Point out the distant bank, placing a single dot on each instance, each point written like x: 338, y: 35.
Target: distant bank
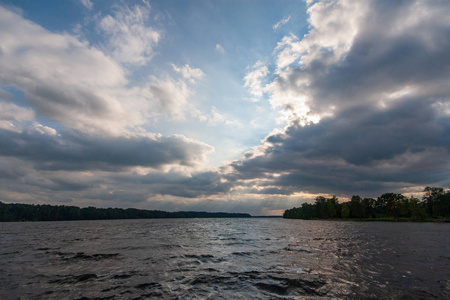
x: 13, y: 212
x: 435, y: 206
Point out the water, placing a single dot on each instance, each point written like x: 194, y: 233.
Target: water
x: 224, y: 259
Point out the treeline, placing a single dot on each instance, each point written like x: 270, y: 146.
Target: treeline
x: 29, y: 212
x: 435, y: 203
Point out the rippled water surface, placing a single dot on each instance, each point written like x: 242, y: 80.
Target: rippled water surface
x: 224, y: 259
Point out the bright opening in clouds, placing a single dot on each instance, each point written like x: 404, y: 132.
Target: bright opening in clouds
x: 237, y: 106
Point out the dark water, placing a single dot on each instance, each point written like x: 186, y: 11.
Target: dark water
x: 224, y: 259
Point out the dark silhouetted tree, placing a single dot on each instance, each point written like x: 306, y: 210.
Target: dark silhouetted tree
x: 321, y: 207
x: 332, y: 207
x: 345, y: 211
x: 356, y: 207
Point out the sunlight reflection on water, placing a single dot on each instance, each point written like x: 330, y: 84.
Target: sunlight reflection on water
x: 223, y: 259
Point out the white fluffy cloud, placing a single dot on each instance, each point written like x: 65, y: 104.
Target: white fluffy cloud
x: 343, y: 60
x: 77, y: 85
x: 63, y: 78
x: 11, y: 115
x: 130, y: 38
x: 87, y: 3
x: 253, y: 79
x: 170, y: 95
x: 220, y: 49
x: 334, y: 25
x: 282, y: 22
x: 191, y: 74
x: 365, y: 96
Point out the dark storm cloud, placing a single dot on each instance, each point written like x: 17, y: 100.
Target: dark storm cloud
x: 70, y: 184
x: 61, y: 103
x: 384, y: 104
x: 98, y: 180
x: 398, y: 44
x: 12, y: 169
x: 77, y: 151
x: 365, y: 134
x: 178, y: 184
x: 357, y: 150
x: 271, y: 191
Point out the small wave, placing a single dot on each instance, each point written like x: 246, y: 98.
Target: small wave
x: 84, y: 256
x: 244, y: 253
x: 50, y: 294
x: 74, y: 279
x: 45, y: 249
x: 276, y: 288
x: 199, y: 256
x: 204, y: 258
x: 154, y: 295
x: 297, y: 249
x: 132, y: 248
x: 170, y: 246
x: 228, y: 239
x: 96, y: 298
x: 113, y: 288
x: 124, y: 275
x: 99, y: 256
x: 212, y: 279
x: 9, y: 253
x: 235, y: 244
x: 149, y: 285
x: 306, y: 284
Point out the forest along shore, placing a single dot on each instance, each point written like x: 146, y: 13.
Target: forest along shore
x: 14, y: 212
x: 434, y: 206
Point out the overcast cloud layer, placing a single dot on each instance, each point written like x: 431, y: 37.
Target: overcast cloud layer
x: 358, y: 102
x: 376, y: 76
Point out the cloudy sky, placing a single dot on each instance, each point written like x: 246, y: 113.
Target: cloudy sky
x: 239, y: 106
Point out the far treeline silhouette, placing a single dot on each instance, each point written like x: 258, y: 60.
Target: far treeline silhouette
x: 435, y: 204
x: 28, y: 212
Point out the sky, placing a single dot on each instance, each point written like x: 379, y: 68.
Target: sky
x: 236, y: 106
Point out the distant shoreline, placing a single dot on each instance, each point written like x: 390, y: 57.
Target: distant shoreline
x: 434, y: 207
x: 401, y: 220
x: 14, y: 212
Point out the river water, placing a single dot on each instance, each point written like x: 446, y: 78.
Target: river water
x: 258, y: 258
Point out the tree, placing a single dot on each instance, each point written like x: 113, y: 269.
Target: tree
x: 369, y: 207
x: 321, y: 207
x: 391, y: 204
x: 332, y: 204
x: 403, y: 207
x: 345, y: 211
x: 431, y: 198
x: 437, y: 202
x: 356, y: 207
x: 307, y: 211
x: 417, y: 209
